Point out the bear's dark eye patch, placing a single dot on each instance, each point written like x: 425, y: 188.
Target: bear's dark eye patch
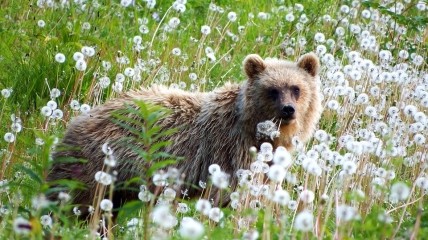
x: 273, y: 93
x: 295, y: 90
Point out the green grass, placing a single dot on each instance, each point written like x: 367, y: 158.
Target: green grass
x: 28, y: 68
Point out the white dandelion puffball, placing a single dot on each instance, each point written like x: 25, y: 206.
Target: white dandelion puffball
x: 84, y: 108
x: 205, y: 30
x: 203, y: 206
x: 304, y: 221
x: 106, y: 205
x: 215, y: 214
x: 60, y: 58
x: 103, y: 178
x: 9, y: 137
x: 190, y: 228
x: 276, y: 173
x: 6, y: 92
x: 81, y: 65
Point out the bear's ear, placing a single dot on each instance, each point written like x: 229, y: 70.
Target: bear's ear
x: 310, y: 63
x: 254, y: 65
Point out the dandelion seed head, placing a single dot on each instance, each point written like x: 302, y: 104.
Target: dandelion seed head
x: 81, y: 65
x: 143, y: 29
x: 88, y: 51
x: 52, y: 104
x: 46, y: 221
x: 220, y: 179
x: 105, y: 148
x: 266, y: 147
x: 86, y: 26
x: 9, y: 137
x: 421, y: 6
x: 106, y: 205
x: 174, y: 22
x: 304, y: 221
x: 110, y: 161
x: 319, y: 37
x: 145, y: 196
x: 41, y: 23
x: 176, y: 51
x: 85, y: 108
x: 232, y: 16
x: 276, y: 173
x: 399, y: 192
x: 307, y: 196
x: 117, y: 87
x: 60, y: 58
x: 76, y: 211
x: 64, y: 197
x: 263, y: 15
x: 251, y: 235
x: 215, y: 214
x: 6, y: 92
x: 160, y: 179
x: 16, y: 127
x: 163, y: 218
x: 333, y: 104
x: 179, y: 7
x: 213, y: 168
x: 103, y: 178
x: 281, y: 197
x: 57, y: 114
x: 205, y: 29
x: 289, y: 17
x: 203, y: 206
x: 422, y: 182
x: 193, y: 76
x: 282, y: 157
x: 264, y: 156
x: 191, y: 228
x: 349, y: 167
x: 182, y: 208
x: 255, y: 204
x: 168, y: 194
x: 129, y: 72
x: 235, y: 204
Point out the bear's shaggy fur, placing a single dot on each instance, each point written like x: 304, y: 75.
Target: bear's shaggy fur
x: 213, y: 127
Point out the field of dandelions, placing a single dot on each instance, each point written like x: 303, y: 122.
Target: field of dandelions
x: 362, y: 176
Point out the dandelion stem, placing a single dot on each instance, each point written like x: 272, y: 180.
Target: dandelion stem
x: 157, y: 28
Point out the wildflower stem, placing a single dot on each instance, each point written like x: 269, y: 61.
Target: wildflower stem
x: 157, y: 28
x: 416, y: 227
x: 7, y: 157
x: 2, y: 110
x: 404, y: 210
x: 404, y: 205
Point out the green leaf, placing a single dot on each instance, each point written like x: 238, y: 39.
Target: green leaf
x: 130, y: 208
x: 68, y: 183
x: 68, y: 159
x: 159, y: 165
x: 157, y: 146
x: 33, y: 175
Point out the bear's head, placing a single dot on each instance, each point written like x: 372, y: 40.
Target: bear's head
x: 285, y: 92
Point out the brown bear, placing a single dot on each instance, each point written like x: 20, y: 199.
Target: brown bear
x: 213, y: 127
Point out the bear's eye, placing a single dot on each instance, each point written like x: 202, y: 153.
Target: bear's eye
x: 295, y: 90
x: 273, y: 93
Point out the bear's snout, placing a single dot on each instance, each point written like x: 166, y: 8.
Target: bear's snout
x: 287, y: 112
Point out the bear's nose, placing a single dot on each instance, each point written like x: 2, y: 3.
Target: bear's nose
x: 288, y: 110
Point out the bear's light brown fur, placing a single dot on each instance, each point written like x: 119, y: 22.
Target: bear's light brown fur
x: 213, y: 127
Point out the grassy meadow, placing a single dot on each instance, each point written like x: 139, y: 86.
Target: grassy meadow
x: 362, y: 176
